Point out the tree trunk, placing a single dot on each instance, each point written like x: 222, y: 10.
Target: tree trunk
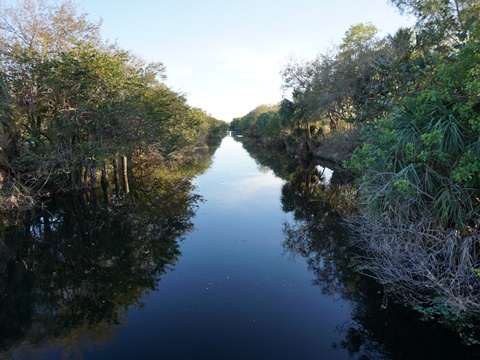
x: 93, y: 177
x: 83, y: 184
x: 3, y: 144
x: 94, y: 187
x: 125, y: 174
x: 308, y: 139
x: 116, y: 177
x: 104, y: 182
x: 307, y: 174
x: 76, y: 177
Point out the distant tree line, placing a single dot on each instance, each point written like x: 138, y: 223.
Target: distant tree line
x: 411, y: 102
x: 73, y: 107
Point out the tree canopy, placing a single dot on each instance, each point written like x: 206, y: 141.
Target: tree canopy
x: 71, y: 104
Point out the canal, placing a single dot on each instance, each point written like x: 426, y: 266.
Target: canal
x: 254, y: 269
x: 235, y: 293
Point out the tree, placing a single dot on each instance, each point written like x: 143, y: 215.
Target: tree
x: 441, y: 24
x: 79, y: 119
x: 249, y: 122
x: 333, y: 88
x: 70, y: 104
x: 30, y: 33
x: 418, y: 188
x: 425, y: 149
x: 45, y: 27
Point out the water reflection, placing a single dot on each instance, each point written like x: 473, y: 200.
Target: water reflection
x: 69, y: 272
x: 378, y: 328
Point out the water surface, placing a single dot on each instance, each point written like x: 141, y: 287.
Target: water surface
x: 234, y: 293
x: 259, y: 270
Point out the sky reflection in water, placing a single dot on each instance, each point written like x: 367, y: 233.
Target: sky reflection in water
x: 234, y: 294
x: 248, y: 282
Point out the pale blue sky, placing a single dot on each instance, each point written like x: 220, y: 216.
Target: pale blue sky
x: 226, y: 56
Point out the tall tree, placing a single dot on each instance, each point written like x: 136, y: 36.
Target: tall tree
x: 441, y: 24
x: 45, y: 27
x: 333, y: 88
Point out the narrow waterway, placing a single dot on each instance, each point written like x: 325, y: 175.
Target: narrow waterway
x: 257, y: 271
x: 234, y: 293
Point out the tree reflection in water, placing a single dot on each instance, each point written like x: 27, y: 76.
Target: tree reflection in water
x: 377, y: 329
x: 69, y: 273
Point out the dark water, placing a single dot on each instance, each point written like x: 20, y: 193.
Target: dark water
x: 260, y: 270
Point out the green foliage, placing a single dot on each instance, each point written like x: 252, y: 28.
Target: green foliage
x: 442, y: 25
x: 418, y: 171
x: 440, y: 310
x: 328, y: 91
x: 432, y: 132
x: 45, y: 27
x: 262, y: 121
x: 422, y: 153
x: 467, y: 170
x: 70, y: 103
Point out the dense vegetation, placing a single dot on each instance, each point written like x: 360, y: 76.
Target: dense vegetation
x: 408, y: 108
x: 73, y: 106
